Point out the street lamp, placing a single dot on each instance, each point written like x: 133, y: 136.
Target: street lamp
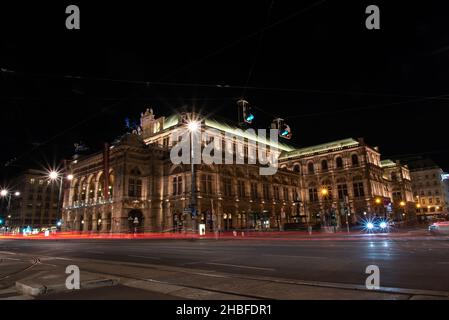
x: 54, y: 175
x: 6, y: 193
x: 402, y: 204
x: 193, y: 126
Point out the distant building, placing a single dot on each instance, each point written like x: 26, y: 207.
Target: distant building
x: 430, y: 188
x: 37, y: 205
x: 398, y: 181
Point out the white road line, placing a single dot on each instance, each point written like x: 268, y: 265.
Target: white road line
x: 10, y: 259
x: 294, y: 256
x: 7, y: 252
x: 239, y: 266
x: 144, y: 257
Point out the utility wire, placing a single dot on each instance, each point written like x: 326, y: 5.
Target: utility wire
x: 259, y: 46
x: 244, y: 38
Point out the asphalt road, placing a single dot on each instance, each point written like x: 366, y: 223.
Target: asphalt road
x: 418, y: 263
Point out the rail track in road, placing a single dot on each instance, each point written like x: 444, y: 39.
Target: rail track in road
x: 34, y: 262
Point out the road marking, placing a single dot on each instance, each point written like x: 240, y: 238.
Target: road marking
x: 144, y: 257
x: 239, y: 266
x: 7, y: 252
x: 294, y: 256
x: 10, y: 259
x: 58, y: 258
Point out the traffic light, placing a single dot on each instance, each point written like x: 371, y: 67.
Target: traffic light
x: 283, y: 128
x: 245, y: 111
x: 285, y: 131
x: 248, y: 117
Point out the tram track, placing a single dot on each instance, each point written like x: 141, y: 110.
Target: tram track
x: 34, y: 262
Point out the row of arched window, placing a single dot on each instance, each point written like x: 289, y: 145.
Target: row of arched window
x: 324, y: 165
x: 88, y: 189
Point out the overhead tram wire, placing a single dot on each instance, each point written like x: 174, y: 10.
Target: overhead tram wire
x: 259, y: 47
x: 232, y: 87
x: 244, y: 38
x: 61, y: 133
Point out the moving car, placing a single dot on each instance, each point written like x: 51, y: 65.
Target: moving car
x: 377, y: 225
x: 440, y: 227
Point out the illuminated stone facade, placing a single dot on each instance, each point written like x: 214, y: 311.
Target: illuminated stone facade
x: 144, y: 191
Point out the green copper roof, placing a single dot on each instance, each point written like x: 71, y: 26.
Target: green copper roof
x: 321, y: 148
x: 387, y: 163
x: 242, y: 133
x: 171, y: 121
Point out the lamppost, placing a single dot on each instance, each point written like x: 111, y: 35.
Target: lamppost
x: 193, y: 126
x: 402, y: 204
x: 5, y: 193
x: 54, y: 175
x: 325, y: 193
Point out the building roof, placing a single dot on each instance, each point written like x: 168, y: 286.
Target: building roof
x: 321, y: 148
x: 387, y: 163
x: 228, y: 128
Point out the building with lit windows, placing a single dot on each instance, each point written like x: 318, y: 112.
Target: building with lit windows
x: 36, y: 203
x: 133, y: 185
x: 430, y: 189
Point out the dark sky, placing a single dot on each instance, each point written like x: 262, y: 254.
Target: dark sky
x: 312, y: 63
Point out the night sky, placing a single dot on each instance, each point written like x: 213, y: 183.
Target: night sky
x: 312, y: 63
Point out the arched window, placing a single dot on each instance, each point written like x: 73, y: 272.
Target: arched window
x: 313, y: 193
x: 100, y: 190
x: 91, y: 191
x: 76, y: 192
x: 135, y: 184
x: 83, y: 190
x: 310, y: 168
x: 394, y: 176
x: 111, y: 184
x: 339, y: 162
x: 297, y: 168
x: 359, y: 190
x: 324, y: 166
x: 355, y: 160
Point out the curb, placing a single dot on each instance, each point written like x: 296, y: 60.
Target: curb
x: 34, y: 289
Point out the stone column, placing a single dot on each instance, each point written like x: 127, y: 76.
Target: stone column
x: 104, y: 222
x: 94, y: 222
x: 86, y: 222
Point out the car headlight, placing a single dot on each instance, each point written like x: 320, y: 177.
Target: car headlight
x: 383, y: 224
x: 370, y: 225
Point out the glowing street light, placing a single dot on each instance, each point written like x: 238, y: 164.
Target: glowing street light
x: 402, y: 204
x: 324, y: 191
x: 70, y: 177
x: 53, y: 175
x: 193, y: 126
x: 378, y: 200
x: 17, y: 194
x: 4, y: 193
